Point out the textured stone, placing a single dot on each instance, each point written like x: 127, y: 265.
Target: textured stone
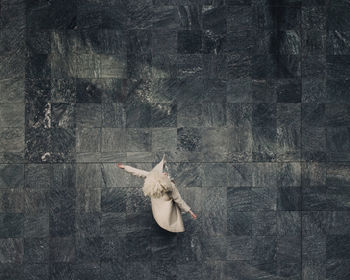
x: 247, y: 99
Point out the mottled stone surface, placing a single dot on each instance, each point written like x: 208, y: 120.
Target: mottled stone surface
x: 248, y: 99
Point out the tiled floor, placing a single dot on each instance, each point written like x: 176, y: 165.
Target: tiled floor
x: 248, y: 99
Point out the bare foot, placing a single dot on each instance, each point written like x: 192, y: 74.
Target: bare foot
x: 120, y: 165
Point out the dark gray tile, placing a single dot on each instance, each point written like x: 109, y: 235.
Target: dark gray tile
x: 315, y: 198
x: 264, y: 250
x: 192, y: 269
x: 264, y: 143
x: 337, y: 269
x: 38, y: 66
x: 270, y: 66
x: 240, y: 174
x: 11, y: 270
x: 12, y: 90
x: 239, y: 66
x: 89, y: 139
x: 163, y: 115
x: 87, y: 224
x: 271, y: 14
x: 264, y: 198
x: 189, y: 249
x: 313, y: 42
x: 335, y: 90
x: 213, y: 204
x: 63, y: 144
x: 264, y: 115
x: 337, y: 66
x: 12, y: 250
x: 241, y: 41
x: 141, y: 244
x: 239, y: 198
x: 36, y: 225
x: 117, y: 220
x: 61, y: 270
x: 313, y: 16
x: 11, y: 200
x: 239, y: 18
x: 264, y: 223
x: 289, y: 223
x: 164, y: 139
x: 110, y: 246
x: 113, y: 115
x: 239, y: 91
x: 12, y: 140
x: 333, y: 250
x: 215, y: 248
x: 139, y: 140
x: 88, y: 200
x: 62, y: 249
x: 189, y: 41
x: 61, y: 222
x: 113, y: 140
x: 214, y: 174
x: 289, y: 198
x: 312, y: 62
x: 289, y: 174
x: 239, y: 114
x: 189, y: 115
x: 36, y: 201
x: 193, y: 65
x: 11, y: 225
x: 36, y: 271
x: 278, y: 42
x: 316, y: 223
x: 11, y: 175
x: 88, y: 249
x: 139, y: 269
x: 215, y: 143
x: 63, y: 90
x: 113, y: 200
x: 239, y: 222
x: 239, y: 247
x: 189, y: 139
x: 88, y: 91
x: 87, y: 271
x: 113, y: 269
x: 12, y: 115
x: 163, y: 247
x: 214, y: 114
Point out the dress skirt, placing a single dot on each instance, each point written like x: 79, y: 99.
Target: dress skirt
x: 167, y: 214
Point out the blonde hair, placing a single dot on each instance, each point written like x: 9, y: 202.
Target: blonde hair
x: 156, y: 184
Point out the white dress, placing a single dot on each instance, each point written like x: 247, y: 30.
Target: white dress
x: 166, y: 210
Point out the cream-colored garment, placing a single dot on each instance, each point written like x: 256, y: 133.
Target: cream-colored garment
x: 166, y: 209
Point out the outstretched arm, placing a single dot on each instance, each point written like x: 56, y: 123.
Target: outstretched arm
x: 133, y: 170
x: 178, y: 199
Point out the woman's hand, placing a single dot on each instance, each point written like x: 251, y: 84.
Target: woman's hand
x: 194, y: 216
x: 120, y: 165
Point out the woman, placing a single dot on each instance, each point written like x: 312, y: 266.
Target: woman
x: 166, y: 200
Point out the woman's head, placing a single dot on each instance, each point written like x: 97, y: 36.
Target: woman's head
x: 156, y: 183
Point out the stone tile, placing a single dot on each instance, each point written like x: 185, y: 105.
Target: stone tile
x: 11, y: 225
x: 11, y: 175
x: 139, y: 140
x: 12, y: 250
x: 12, y: 115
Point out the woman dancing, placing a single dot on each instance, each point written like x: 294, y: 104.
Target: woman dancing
x: 166, y: 200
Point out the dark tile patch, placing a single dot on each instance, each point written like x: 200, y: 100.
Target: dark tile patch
x: 189, y: 41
